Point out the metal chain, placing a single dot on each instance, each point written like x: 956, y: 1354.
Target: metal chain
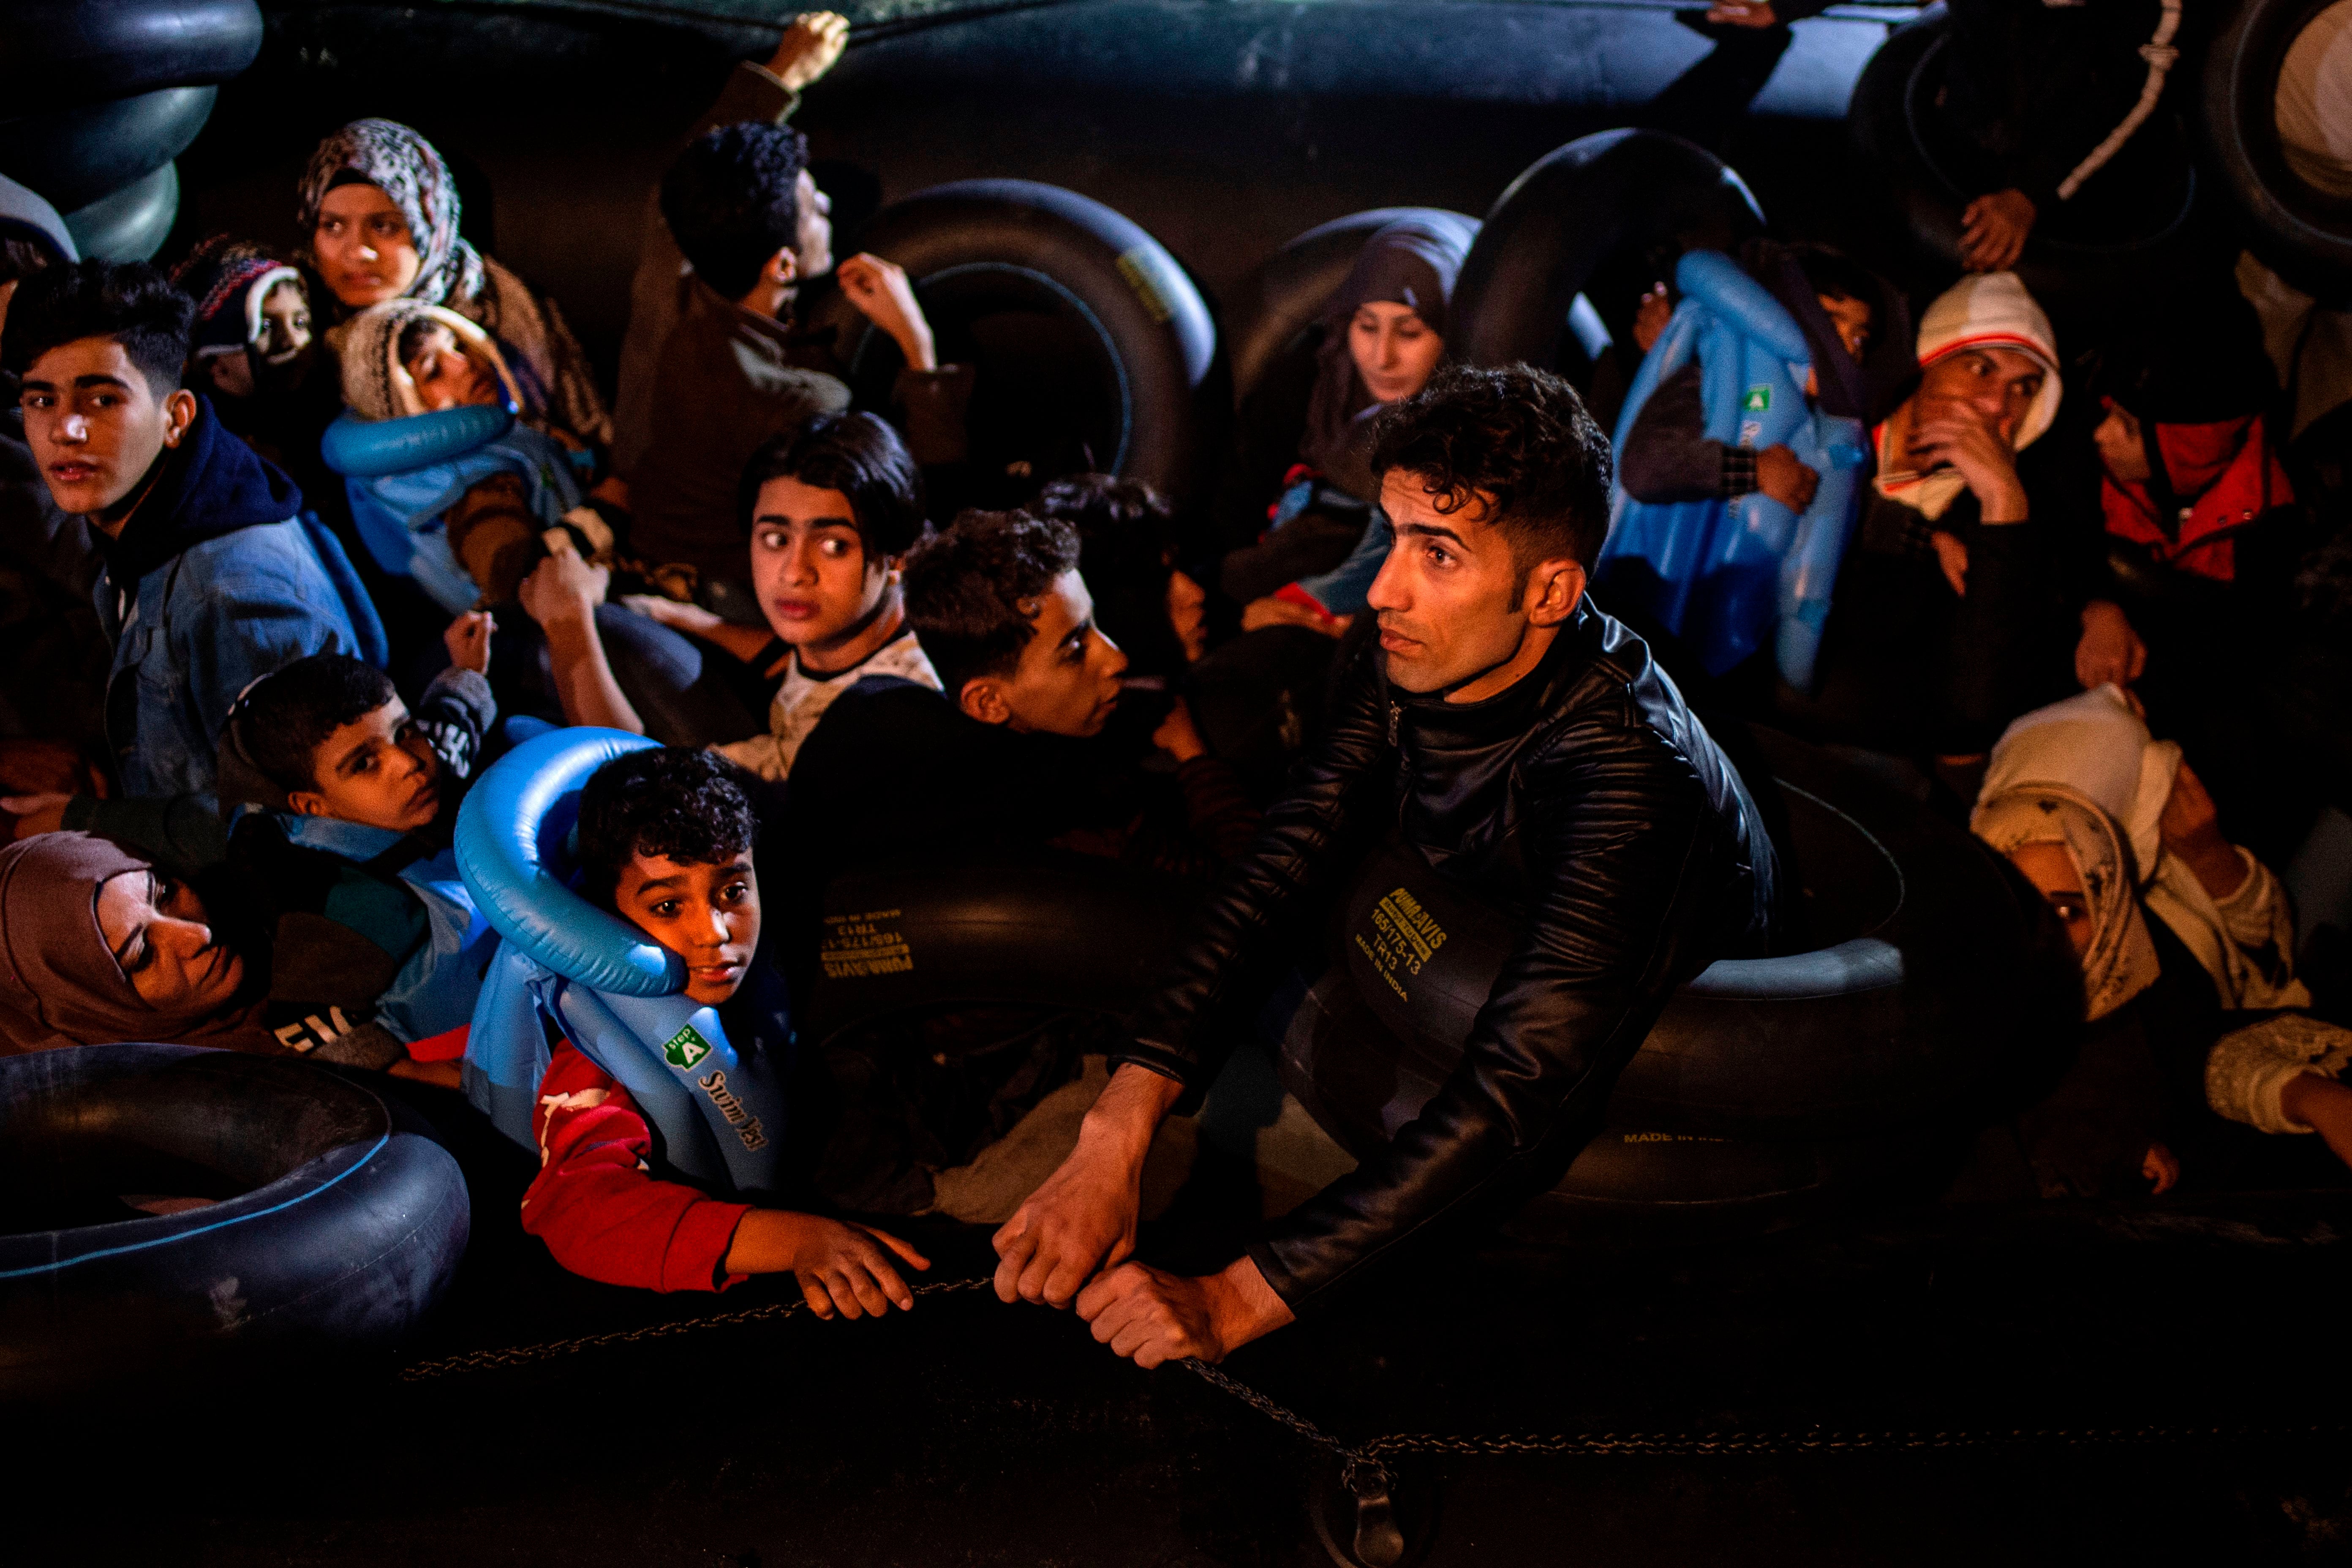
x: 1360, y: 1471
x: 522, y: 1355
x: 1362, y: 1466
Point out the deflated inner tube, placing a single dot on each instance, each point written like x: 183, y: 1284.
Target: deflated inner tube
x: 183, y: 1216
x: 1268, y: 314
x: 2303, y: 232
x: 2087, y: 245
x: 1926, y: 983
x: 54, y: 53
x: 1068, y: 931
x: 1604, y: 216
x: 1091, y: 347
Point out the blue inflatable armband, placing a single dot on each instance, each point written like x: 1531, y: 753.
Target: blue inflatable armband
x: 370, y: 448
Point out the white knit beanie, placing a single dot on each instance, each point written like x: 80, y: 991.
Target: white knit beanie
x: 1992, y: 310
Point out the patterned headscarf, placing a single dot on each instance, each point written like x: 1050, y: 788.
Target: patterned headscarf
x: 2122, y: 961
x: 229, y: 278
x: 405, y: 167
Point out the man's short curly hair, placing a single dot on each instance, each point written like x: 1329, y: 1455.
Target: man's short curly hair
x: 128, y: 301
x: 732, y: 200
x: 676, y: 802
x: 965, y: 588
x: 1520, y: 438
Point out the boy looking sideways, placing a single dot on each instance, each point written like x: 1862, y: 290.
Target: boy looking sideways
x: 831, y: 509
x: 665, y: 836
x: 340, y: 804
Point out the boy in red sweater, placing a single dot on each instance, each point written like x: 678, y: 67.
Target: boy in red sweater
x: 664, y: 838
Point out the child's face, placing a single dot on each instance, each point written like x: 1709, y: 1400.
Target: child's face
x: 1852, y: 319
x: 707, y: 914
x: 2121, y: 445
x: 447, y: 376
x: 376, y: 770
x: 1067, y: 679
x: 810, y: 566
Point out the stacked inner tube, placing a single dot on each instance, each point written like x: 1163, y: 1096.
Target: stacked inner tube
x: 2299, y: 225
x: 179, y: 1218
x: 103, y: 95
x: 1925, y: 988
x: 1091, y: 346
x: 1892, y: 121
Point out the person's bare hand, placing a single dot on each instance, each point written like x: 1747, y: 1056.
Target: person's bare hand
x: 669, y: 612
x: 2190, y: 827
x: 1270, y: 611
x: 1780, y: 474
x: 1993, y: 229
x: 2313, y: 1099
x: 848, y: 1268
x: 1948, y: 434
x: 1082, y: 1218
x: 2162, y: 1167
x: 2109, y: 652
x: 1650, y: 316
x: 1952, y: 555
x: 563, y: 589
x: 809, y: 48
x: 884, y: 296
x: 1743, y: 13
x: 468, y: 638
x: 35, y: 814
x: 1152, y: 1315
x: 1178, y: 735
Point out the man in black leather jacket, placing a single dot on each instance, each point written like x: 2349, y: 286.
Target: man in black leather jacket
x: 1525, y: 744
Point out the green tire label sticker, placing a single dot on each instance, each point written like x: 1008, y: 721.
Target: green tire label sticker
x: 685, y: 1048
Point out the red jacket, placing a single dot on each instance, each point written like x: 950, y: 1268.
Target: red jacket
x: 599, y: 1207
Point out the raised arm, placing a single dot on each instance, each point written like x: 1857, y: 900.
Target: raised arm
x: 562, y: 595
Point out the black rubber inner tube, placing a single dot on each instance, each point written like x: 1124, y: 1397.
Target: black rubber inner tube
x: 1091, y: 347
x: 57, y: 53
x: 1267, y: 316
x: 2083, y: 243
x: 1067, y: 931
x: 187, y: 1214
x: 74, y: 156
x: 2304, y: 234
x: 130, y: 224
x: 1604, y: 216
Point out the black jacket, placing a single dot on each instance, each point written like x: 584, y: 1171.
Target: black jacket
x: 1587, y: 799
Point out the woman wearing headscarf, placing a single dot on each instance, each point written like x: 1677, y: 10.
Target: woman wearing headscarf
x: 382, y: 212
x: 99, y: 945
x: 2180, y: 934
x: 1384, y: 337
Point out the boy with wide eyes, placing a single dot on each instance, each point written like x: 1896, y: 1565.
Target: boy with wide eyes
x: 665, y: 836
x: 831, y: 509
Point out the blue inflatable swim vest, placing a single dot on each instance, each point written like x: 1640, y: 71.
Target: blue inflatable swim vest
x: 1728, y: 576
x: 593, y: 975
